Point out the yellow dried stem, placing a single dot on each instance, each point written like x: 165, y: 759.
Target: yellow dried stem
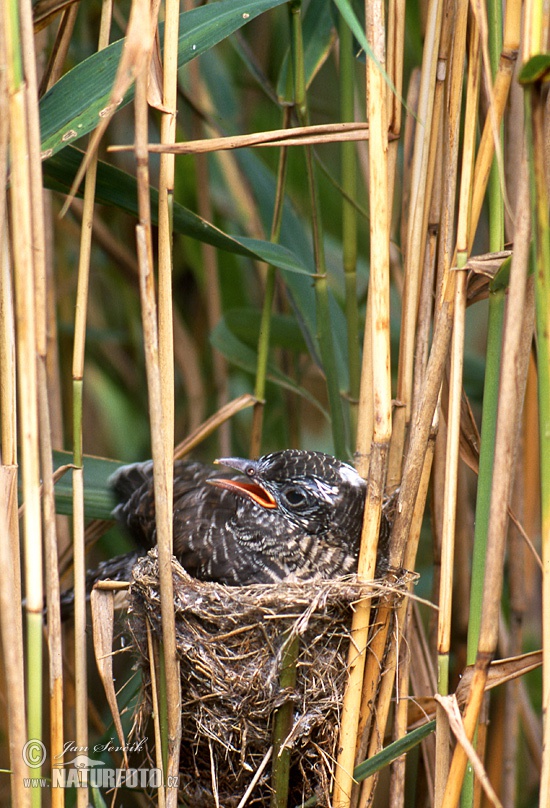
x: 371, y: 681
x: 22, y: 247
x: 397, y: 783
x: 425, y: 134
x: 55, y: 649
x: 389, y: 618
x: 153, y: 665
x: 162, y: 454
x: 80, y: 634
x: 457, y: 357
x: 79, y: 555
x: 213, y: 423
x: 26, y: 347
x: 54, y: 68
x: 11, y: 631
x: 379, y: 346
x: 8, y: 408
x: 165, y: 236
x: 517, y: 341
x: 365, y: 412
x: 499, y: 98
x: 296, y: 136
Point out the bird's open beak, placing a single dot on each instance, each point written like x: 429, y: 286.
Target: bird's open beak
x: 250, y: 490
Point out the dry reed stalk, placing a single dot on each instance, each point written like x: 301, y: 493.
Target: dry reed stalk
x: 60, y: 49
x: 541, y: 197
x: 309, y: 135
x: 21, y: 145
x: 213, y: 423
x: 508, y: 774
x: 447, y: 283
x: 425, y: 134
x: 422, y: 212
x: 165, y: 421
x: 390, y: 619
x: 79, y: 554
x: 424, y: 685
x: 11, y: 625
x: 394, y: 64
x: 452, y: 454
x: 379, y: 347
x: 400, y: 723
x: 165, y: 232
x: 365, y: 411
x: 162, y: 461
x: 11, y: 630
x: 500, y: 91
x: 8, y: 393
x: 152, y: 647
x: 517, y: 341
x: 54, y: 632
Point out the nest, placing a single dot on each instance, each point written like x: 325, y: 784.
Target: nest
x: 231, y: 641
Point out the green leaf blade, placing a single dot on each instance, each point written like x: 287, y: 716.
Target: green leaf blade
x: 72, y: 107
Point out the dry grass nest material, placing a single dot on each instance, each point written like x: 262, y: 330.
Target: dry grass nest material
x: 230, y: 642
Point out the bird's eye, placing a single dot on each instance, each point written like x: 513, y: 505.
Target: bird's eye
x: 295, y: 497
x: 250, y: 471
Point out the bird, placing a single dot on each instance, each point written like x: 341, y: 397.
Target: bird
x: 289, y: 515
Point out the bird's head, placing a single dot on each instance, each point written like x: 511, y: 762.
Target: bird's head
x: 311, y: 489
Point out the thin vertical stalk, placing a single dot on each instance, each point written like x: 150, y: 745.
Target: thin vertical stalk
x: 165, y: 240
x: 162, y: 464
x: 540, y: 207
x: 517, y: 341
x: 501, y: 87
x: 23, y: 258
x: 80, y: 635
x: 379, y: 344
x: 283, y: 724
x: 495, y: 198
x: 12, y: 645
x: 396, y: 39
x: 162, y: 399
x: 447, y: 243
x: 425, y: 134
x: 43, y: 299
x: 387, y: 618
x: 269, y: 293
x: 153, y: 656
x: 324, y: 331
x: 490, y: 392
x: 349, y: 221
x: 11, y: 625
x: 452, y: 456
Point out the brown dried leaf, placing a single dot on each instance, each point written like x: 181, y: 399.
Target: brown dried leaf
x: 500, y: 671
x: 102, y: 602
x: 482, y: 270
x: 470, y: 440
x: 155, y: 93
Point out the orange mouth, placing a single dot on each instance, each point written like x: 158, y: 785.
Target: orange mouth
x: 249, y: 490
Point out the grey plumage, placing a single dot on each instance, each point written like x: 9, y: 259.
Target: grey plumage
x: 290, y: 514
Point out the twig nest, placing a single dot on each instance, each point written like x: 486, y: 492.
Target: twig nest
x: 230, y: 643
